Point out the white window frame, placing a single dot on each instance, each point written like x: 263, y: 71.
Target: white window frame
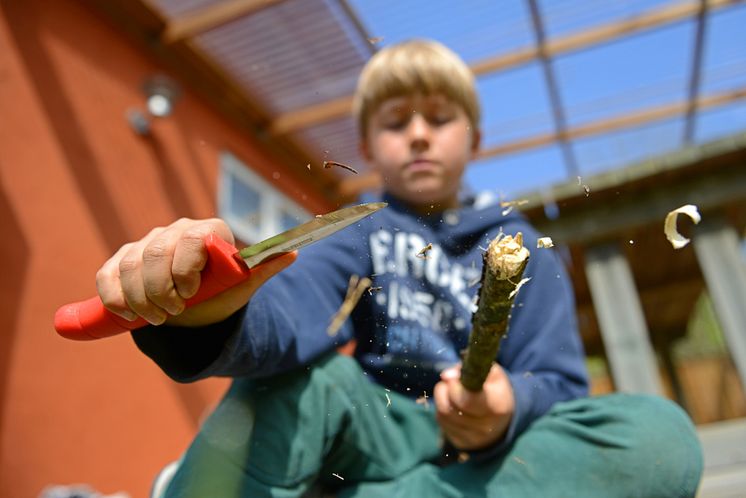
x: 272, y: 202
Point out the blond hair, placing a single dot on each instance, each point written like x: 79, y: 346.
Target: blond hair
x: 415, y: 66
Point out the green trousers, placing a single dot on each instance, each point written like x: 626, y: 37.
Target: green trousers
x: 327, y: 429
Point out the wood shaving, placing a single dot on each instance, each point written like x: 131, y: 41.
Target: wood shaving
x: 422, y: 400
x: 669, y: 226
x: 388, y: 400
x: 375, y: 39
x: 519, y: 202
x: 423, y: 252
x: 544, y: 243
x: 371, y: 290
x: 329, y: 164
x: 518, y: 287
x: 587, y: 190
x: 338, y: 476
x: 355, y: 289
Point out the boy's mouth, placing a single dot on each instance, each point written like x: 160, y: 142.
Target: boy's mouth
x: 421, y: 165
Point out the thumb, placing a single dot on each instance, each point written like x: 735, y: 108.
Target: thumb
x: 451, y: 373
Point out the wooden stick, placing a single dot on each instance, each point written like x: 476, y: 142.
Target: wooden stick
x: 504, y: 262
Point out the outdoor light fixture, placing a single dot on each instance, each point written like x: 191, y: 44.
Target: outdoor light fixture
x: 160, y: 92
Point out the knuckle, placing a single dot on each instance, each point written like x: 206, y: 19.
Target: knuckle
x: 104, y: 275
x: 128, y: 264
x: 156, y: 292
x: 157, y: 250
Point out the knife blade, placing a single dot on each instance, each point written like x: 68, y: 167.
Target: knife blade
x: 226, y: 267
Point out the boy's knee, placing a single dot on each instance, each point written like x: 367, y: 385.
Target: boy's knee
x: 658, y: 420
x: 662, y: 442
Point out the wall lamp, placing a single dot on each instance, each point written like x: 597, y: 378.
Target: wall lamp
x: 161, y: 92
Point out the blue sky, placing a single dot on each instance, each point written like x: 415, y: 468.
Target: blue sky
x: 648, y: 69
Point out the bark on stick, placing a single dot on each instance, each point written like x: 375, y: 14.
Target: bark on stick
x: 502, y: 272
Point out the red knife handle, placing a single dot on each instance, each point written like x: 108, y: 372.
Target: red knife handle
x: 88, y: 320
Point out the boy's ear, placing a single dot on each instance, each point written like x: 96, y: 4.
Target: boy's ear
x: 476, y: 141
x: 364, y: 149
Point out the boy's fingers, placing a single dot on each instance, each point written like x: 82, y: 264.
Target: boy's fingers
x: 451, y: 373
x: 190, y: 256
x: 442, y: 403
x: 109, y: 287
x: 157, y: 261
x: 131, y: 279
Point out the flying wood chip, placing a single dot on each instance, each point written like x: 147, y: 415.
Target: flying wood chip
x: 329, y: 164
x: 355, y: 289
x: 669, y: 226
x: 544, y: 243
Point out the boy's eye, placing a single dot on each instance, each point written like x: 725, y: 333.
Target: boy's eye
x: 440, y: 118
x: 394, y: 122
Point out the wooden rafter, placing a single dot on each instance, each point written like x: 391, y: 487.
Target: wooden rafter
x: 211, y: 17
x: 655, y: 18
x: 558, y: 113
x: 696, y: 74
x: 311, y: 115
x: 354, y: 186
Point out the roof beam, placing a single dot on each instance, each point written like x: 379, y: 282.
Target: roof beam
x: 311, y: 115
x: 353, y: 186
x: 558, y: 113
x: 211, y: 17
x: 696, y: 75
x: 654, y: 18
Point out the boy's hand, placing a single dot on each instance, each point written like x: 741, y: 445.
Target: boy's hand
x: 153, y: 276
x: 472, y: 421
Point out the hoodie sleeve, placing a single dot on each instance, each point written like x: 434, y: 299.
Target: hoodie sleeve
x: 542, y: 352
x: 284, y: 325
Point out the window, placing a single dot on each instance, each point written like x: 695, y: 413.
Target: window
x: 253, y: 208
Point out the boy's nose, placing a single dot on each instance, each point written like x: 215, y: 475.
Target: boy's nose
x: 419, y: 132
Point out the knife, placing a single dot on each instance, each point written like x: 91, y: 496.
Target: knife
x: 226, y: 267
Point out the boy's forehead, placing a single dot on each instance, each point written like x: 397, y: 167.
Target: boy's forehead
x: 414, y: 101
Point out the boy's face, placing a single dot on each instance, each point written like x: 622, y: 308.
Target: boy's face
x: 420, y: 144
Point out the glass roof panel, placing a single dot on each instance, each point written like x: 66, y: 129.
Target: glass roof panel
x: 334, y: 140
x: 724, y: 63
x: 513, y: 175
x: 475, y: 30
x: 298, y: 53
x: 178, y: 8
x: 631, y: 74
x: 515, y: 104
x: 621, y: 148
x: 719, y: 122
x: 291, y: 55
x: 562, y: 17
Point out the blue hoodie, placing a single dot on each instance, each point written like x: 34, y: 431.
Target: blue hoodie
x: 411, y: 328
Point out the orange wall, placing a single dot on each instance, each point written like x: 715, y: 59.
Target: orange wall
x: 76, y: 183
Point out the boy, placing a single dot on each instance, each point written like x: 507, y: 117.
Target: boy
x: 301, y: 418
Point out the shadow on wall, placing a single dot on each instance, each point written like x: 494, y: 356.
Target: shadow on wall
x: 70, y: 134
x: 14, y: 253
